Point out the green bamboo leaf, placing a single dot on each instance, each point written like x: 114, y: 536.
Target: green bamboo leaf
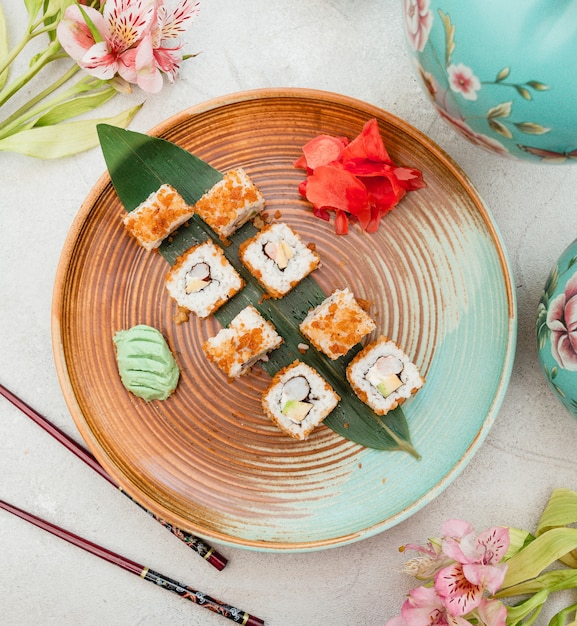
x: 75, y: 107
x: 138, y: 164
x: 449, y: 36
x: 3, y: 46
x: 539, y: 554
x: 532, y: 128
x: 53, y: 142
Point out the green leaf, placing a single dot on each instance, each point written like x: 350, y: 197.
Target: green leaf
x: 53, y: 142
x: 3, y: 47
x: 33, y: 6
x: 449, y: 36
x: 539, y: 554
x: 538, y: 86
x: 532, y: 128
x: 501, y: 110
x: 524, y: 93
x: 138, y: 164
x: 503, y: 74
x: 75, y: 107
x: 500, y: 128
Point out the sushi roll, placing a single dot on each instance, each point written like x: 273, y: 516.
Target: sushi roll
x: 278, y: 258
x: 337, y: 324
x: 159, y: 215
x: 383, y: 376
x: 246, y: 340
x: 230, y: 203
x: 201, y: 280
x: 298, y: 400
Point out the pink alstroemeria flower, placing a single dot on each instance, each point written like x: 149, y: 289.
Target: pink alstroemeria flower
x: 477, y: 565
x: 429, y: 560
x: 136, y: 39
x: 424, y: 607
x: 562, y: 320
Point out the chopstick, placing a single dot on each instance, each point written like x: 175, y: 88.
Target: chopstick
x: 207, y: 552
x: 198, y: 597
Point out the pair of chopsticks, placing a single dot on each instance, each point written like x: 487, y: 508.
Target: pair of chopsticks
x: 204, y: 550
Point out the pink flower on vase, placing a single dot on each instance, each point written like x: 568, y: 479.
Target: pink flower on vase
x: 418, y: 22
x: 463, y: 81
x: 478, y: 139
x: 136, y: 39
x: 562, y: 320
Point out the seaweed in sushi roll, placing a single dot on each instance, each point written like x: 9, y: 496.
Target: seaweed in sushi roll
x: 383, y: 376
x: 298, y: 400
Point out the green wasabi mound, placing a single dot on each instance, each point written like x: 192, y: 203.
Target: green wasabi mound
x: 145, y: 363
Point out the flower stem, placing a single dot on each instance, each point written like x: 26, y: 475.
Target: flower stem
x: 29, y: 110
x: 48, y: 55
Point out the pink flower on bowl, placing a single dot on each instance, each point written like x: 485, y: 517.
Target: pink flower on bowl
x: 462, y: 80
x: 562, y: 321
x: 418, y: 22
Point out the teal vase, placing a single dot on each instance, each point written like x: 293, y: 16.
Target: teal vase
x: 501, y: 73
x: 557, y: 329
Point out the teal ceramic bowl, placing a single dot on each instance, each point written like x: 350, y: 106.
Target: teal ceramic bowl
x: 557, y: 329
x: 501, y: 73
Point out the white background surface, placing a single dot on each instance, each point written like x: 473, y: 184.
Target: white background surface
x: 353, y: 48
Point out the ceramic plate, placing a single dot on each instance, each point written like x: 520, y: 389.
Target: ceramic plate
x: 206, y: 459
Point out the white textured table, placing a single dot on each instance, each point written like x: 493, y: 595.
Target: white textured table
x: 353, y: 48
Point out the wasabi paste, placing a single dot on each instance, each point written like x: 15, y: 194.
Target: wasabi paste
x: 145, y: 363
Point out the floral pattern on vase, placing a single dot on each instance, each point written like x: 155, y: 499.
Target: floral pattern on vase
x: 497, y: 98
x: 556, y: 329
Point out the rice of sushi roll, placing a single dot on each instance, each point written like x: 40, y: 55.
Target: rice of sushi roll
x: 298, y: 400
x: 230, y: 203
x: 247, y: 339
x: 278, y: 258
x: 383, y: 376
x: 337, y: 324
x: 201, y: 280
x: 157, y: 217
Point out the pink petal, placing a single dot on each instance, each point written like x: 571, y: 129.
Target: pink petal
x: 571, y: 287
x: 99, y: 62
x: 174, y: 23
x: 459, y: 595
x: 488, y: 577
x: 456, y: 528
x: 149, y: 77
x: 73, y: 32
x: 563, y: 351
x: 493, y: 544
x: 570, y: 313
x: 493, y: 612
x: 555, y: 313
x: 128, y: 21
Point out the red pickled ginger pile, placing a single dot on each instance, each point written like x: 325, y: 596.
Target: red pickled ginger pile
x: 356, y: 179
